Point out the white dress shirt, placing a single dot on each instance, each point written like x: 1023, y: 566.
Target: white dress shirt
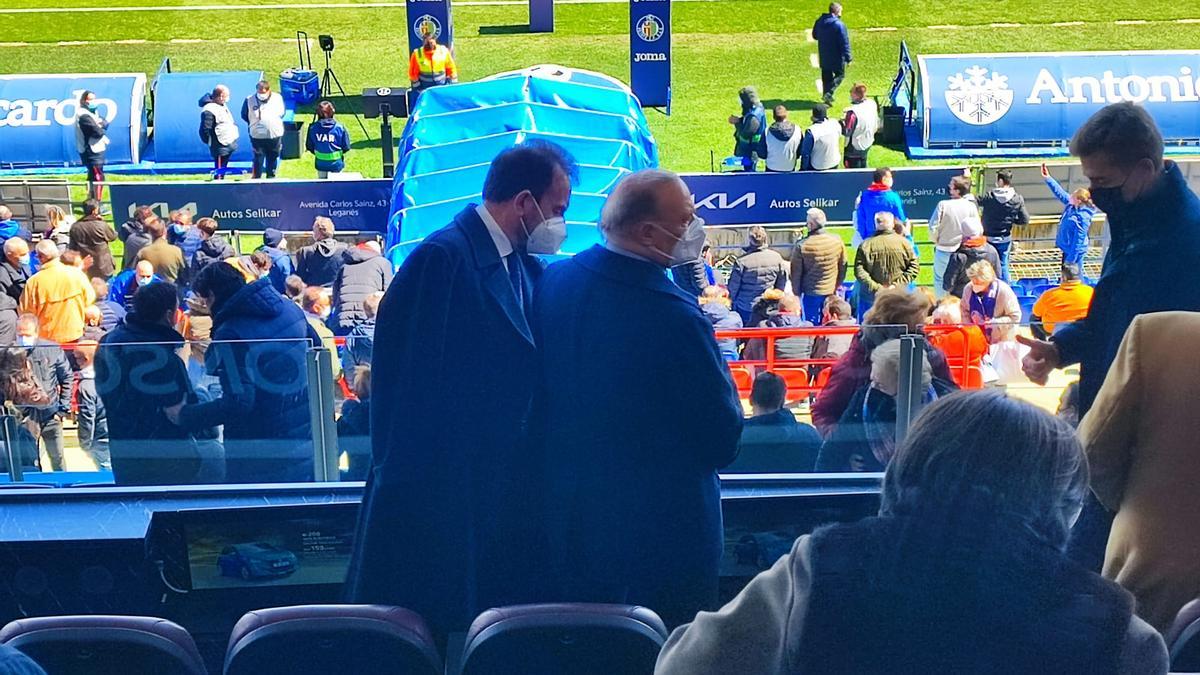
x: 503, y: 246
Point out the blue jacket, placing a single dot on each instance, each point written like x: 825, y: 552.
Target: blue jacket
x: 1074, y: 225
x: 11, y: 228
x: 450, y: 317
x: 188, y: 240
x: 750, y: 139
x: 872, y: 201
x: 723, y: 318
x: 327, y: 140
x: 259, y: 342
x: 1156, y: 237
x: 112, y: 313
x: 638, y: 412
x: 123, y: 286
x: 281, y: 267
x: 360, y: 343
x: 776, y: 443
x: 833, y: 41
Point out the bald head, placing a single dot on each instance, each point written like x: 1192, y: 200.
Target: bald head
x: 647, y: 214
x: 46, y: 250
x: 144, y: 270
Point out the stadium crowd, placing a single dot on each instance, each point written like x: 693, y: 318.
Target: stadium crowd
x: 602, y: 408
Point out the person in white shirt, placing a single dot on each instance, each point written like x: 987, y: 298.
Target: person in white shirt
x: 946, y: 226
x: 819, y: 150
x: 859, y: 126
x: 264, y: 111
x: 783, y: 142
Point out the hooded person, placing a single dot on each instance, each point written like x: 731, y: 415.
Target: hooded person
x: 318, y: 263
x: 1001, y: 209
x: 749, y: 130
x: 783, y: 143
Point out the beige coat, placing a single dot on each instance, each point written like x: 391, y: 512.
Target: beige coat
x: 759, y: 630
x: 1142, y: 438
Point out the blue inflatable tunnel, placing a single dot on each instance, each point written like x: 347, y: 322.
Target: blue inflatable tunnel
x: 177, y: 114
x: 455, y: 131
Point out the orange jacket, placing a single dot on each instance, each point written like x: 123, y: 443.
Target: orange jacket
x: 1068, y: 302
x: 433, y: 64
x: 57, y: 295
x: 956, y: 346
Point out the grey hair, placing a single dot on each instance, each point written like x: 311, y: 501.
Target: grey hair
x: 14, y: 244
x: 324, y: 226
x: 815, y: 218
x: 634, y: 199
x: 981, y: 271
x: 220, y: 88
x: 885, y: 366
x: 46, y: 250
x: 884, y: 220
x: 1033, y: 469
x: 5, y: 212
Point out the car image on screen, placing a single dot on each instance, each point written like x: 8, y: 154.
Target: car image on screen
x: 256, y: 560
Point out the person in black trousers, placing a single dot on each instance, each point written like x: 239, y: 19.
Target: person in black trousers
x: 91, y: 142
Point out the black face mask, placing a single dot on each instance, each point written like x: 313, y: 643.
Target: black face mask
x: 1109, y: 199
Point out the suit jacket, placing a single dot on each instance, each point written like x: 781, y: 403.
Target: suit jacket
x: 434, y: 534
x: 1140, y: 439
x: 638, y: 412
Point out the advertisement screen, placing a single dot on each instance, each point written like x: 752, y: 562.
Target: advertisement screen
x: 253, y: 553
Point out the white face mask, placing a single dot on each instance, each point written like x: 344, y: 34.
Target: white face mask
x: 547, y: 237
x: 264, y: 97
x: 27, y: 340
x: 687, y: 247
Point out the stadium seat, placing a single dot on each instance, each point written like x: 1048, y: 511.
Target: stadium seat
x: 822, y: 377
x: 66, y: 645
x: 582, y: 639
x: 1027, y: 302
x: 331, y: 639
x: 743, y: 379
x: 1183, y: 639
x: 796, y: 379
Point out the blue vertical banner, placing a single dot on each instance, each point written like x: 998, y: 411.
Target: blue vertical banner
x: 650, y: 51
x: 429, y: 16
x: 541, y: 16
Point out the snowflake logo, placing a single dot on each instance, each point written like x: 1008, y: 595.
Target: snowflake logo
x: 977, y: 98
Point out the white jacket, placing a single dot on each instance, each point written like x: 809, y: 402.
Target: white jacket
x: 265, y: 118
x: 224, y: 128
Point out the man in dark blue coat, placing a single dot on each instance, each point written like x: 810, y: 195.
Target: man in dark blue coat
x: 455, y: 370
x: 1155, y: 223
x: 637, y: 410
x: 833, y: 49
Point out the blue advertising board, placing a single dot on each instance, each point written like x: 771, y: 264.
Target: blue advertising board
x: 1042, y: 98
x: 429, y: 16
x: 37, y: 117
x: 650, y: 51
x: 777, y: 198
x: 360, y: 205
x: 541, y: 16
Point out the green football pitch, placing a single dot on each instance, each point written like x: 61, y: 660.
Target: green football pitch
x: 719, y: 46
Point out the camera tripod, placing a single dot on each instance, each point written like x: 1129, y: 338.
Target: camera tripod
x: 329, y: 80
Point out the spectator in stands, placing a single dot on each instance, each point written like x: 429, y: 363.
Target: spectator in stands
x: 894, y: 313
x: 58, y: 226
x: 755, y: 271
x: 964, y: 346
x: 364, y: 271
x: 184, y: 234
x: 949, y: 221
x: 714, y: 304
x: 275, y: 246
x: 459, y: 488
x: 818, y: 266
x: 749, y: 130
x: 293, y: 288
x: 1067, y: 303
x: 328, y: 141
x: 167, y: 259
x: 1076, y: 220
x: 885, y: 260
x: 93, y: 317
x: 14, y: 273
x: 52, y: 373
x: 865, y: 436
x: 1002, y: 209
x: 71, y: 259
x: 833, y: 50
x: 315, y: 303
x: 786, y: 314
x: 354, y: 426
x: 10, y: 227
x: 694, y: 276
x: 988, y: 302
x: 196, y: 328
x: 258, y: 345
x: 133, y: 235
x: 360, y: 341
x: 319, y: 262
x: 765, y: 305
x: 636, y: 548
x: 835, y: 313
x: 821, y: 148
x: 878, y: 197
x: 213, y: 247
x: 125, y: 284
x: 1140, y: 439
x: 263, y: 111
x: 57, y: 295
x: 253, y: 267
x: 91, y: 142
x: 139, y: 378
x: 860, y: 125
x: 217, y: 129
x: 773, y: 441
x: 93, y: 421
x: 91, y: 236
x: 974, y: 248
x: 783, y: 142
x: 962, y: 567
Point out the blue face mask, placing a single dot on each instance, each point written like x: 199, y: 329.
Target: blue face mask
x: 144, y: 281
x: 25, y: 260
x: 27, y: 340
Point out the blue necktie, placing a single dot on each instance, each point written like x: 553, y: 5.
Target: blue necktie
x: 516, y: 276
